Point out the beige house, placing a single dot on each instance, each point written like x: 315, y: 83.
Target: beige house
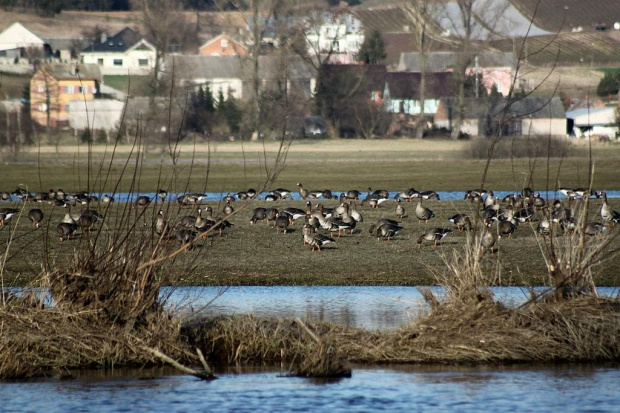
x: 222, y: 45
x: 54, y: 86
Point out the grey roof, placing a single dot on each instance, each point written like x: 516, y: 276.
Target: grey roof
x: 537, y: 108
x: 66, y: 43
x: 119, y: 43
x: 236, y: 67
x: 64, y: 71
x: 95, y: 114
x: 406, y: 85
x: 443, y: 61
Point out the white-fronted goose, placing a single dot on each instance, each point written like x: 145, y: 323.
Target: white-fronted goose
x: 474, y: 194
x: 505, y: 228
x: 489, y: 200
x: 435, y: 235
x: 6, y: 196
x: 35, y: 215
x: 185, y: 236
x: 355, y: 214
x: 271, y: 214
x: 461, y: 221
x: 282, y: 222
x: 487, y: 240
x: 107, y: 199
x: 400, y: 210
x: 317, y: 240
x: 432, y: 195
x: 161, y: 225
x: 162, y: 194
x: 305, y: 194
x: 352, y: 194
x: 423, y: 213
x: 142, y: 201
x: 189, y: 200
x: 259, y: 214
x: 228, y: 208
x: 294, y: 213
x: 608, y: 215
x: 384, y: 230
x: 65, y: 230
x: 594, y: 229
x: 6, y: 214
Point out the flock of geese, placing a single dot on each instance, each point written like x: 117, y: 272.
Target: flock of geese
x: 323, y: 225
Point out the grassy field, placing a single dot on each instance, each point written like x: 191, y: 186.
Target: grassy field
x: 255, y: 254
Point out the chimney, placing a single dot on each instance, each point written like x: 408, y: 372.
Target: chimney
x: 104, y: 37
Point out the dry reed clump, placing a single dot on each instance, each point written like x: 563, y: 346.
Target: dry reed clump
x: 584, y: 329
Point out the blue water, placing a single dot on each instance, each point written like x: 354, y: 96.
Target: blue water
x: 425, y: 389
x: 444, y: 195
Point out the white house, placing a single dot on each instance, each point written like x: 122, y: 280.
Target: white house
x: 337, y: 36
x: 122, y: 54
x: 16, y: 37
x: 98, y: 114
x: 593, y: 121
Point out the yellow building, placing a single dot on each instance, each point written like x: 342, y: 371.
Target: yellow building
x: 54, y: 86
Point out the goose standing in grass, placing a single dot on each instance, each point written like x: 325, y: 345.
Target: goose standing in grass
x: 188, y: 200
x: 283, y: 193
x: 307, y: 232
x: 316, y: 240
x: 294, y: 213
x: 422, y: 213
x: 35, y: 215
x: 305, y: 194
x: 6, y: 196
x: 65, y: 230
x: 6, y: 214
x: 353, y: 194
x: 162, y: 194
x: 107, y: 199
x: 489, y: 200
x: 271, y: 214
x: 608, y: 215
x: 487, y: 240
x: 594, y: 229
x: 142, y: 201
x: 355, y: 214
x: 228, y: 208
x: 505, y: 228
x: 185, y: 236
x: 189, y: 221
x: 281, y: 223
x: 435, y: 235
x: 400, y: 210
x: 384, y: 230
x: 461, y: 221
x: 258, y: 214
x: 427, y: 195
x: 407, y: 195
x: 161, y: 225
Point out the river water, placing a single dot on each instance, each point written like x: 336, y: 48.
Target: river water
x: 566, y: 388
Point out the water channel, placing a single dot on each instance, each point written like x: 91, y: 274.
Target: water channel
x: 567, y: 388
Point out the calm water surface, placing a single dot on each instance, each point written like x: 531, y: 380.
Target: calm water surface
x: 508, y: 389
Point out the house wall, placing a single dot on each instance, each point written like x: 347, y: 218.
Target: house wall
x: 223, y: 84
x: 333, y: 36
x: 412, y: 107
x: 60, y: 93
x: 223, y: 46
x: 122, y: 63
x: 544, y: 127
x: 500, y: 76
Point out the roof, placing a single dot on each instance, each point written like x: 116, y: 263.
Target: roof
x: 64, y: 71
x: 66, y: 43
x: 119, y: 43
x: 397, y: 43
x: 593, y: 116
x: 17, y: 36
x: 214, y: 39
x: 406, y: 85
x: 536, y: 108
x: 236, y: 67
x: 95, y: 114
x: 443, y: 61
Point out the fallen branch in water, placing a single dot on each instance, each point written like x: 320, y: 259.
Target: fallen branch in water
x: 206, y: 375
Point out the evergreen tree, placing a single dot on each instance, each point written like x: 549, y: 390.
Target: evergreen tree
x: 232, y: 114
x: 609, y: 84
x: 372, y: 51
x: 221, y: 102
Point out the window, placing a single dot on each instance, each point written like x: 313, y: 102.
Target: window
x: 498, y: 86
x: 69, y: 90
x: 143, y: 62
x: 118, y: 62
x: 82, y: 89
x: 224, y: 43
x: 100, y: 62
x: 43, y: 107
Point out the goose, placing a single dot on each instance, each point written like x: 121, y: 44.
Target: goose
x: 312, y: 221
x: 544, y: 227
x: 51, y: 195
x: 283, y: 193
x: 304, y: 193
x: 461, y: 221
x: 192, y: 199
x: 282, y: 222
x: 40, y: 197
x: 271, y: 214
x: 374, y: 201
x: 423, y: 213
x: 490, y: 199
x: 259, y: 214
x: 307, y: 232
x: 189, y: 221
x: 524, y: 215
x: 340, y: 225
x: 162, y: 194
x: 86, y: 222
x: 487, y: 241
x: 400, y: 210
x: 472, y: 194
x: 161, y: 225
x: 35, y: 215
x: 6, y: 214
x: 6, y: 196
x: 294, y: 213
x: 427, y: 195
x: 505, y: 228
x: 384, y: 230
x: 202, y: 225
x: 142, y: 201
x: 387, y: 221
x: 317, y: 240
x: 315, y: 194
x: 594, y: 229
x: 228, y: 208
x: 355, y: 214
x: 66, y: 230
x: 352, y: 194
x: 406, y: 194
x: 60, y: 194
x: 608, y: 214
x: 381, y: 193
x: 271, y: 197
x: 327, y: 194
x: 527, y: 192
x: 434, y: 235
x: 229, y: 199
x: 107, y: 199
x: 538, y: 201
x: 185, y: 236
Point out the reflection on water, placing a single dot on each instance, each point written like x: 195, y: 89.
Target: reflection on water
x: 373, y: 308
x: 418, y: 388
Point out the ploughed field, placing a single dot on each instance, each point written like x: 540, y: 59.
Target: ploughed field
x: 256, y: 254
